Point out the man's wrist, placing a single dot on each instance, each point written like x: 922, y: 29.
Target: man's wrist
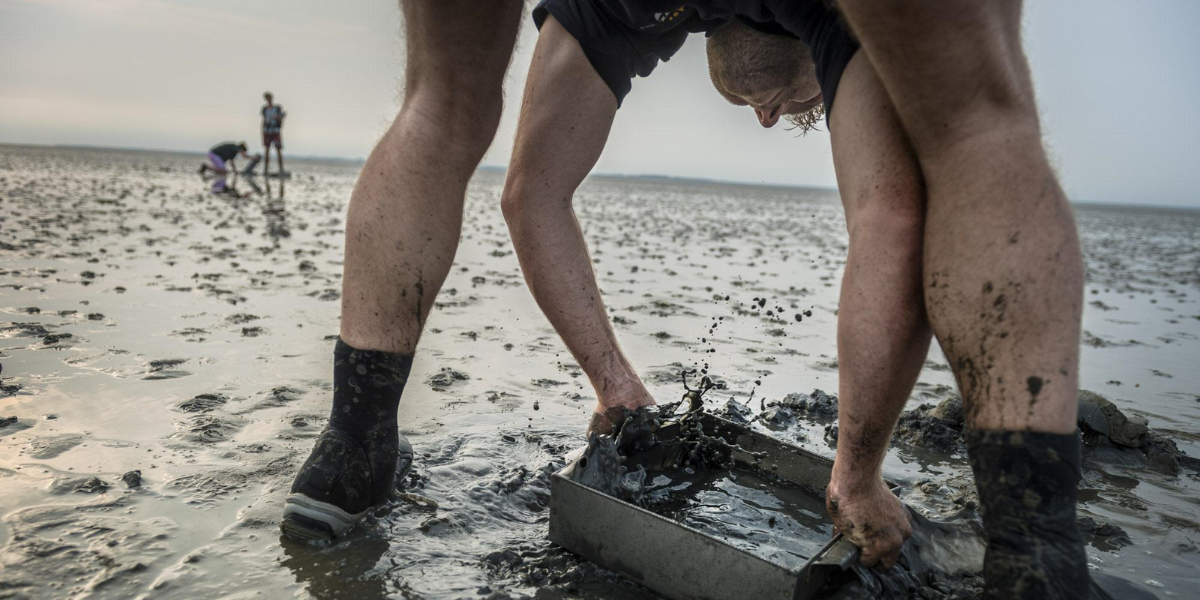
x: 855, y: 479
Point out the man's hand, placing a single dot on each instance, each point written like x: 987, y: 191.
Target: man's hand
x: 606, y: 421
x: 872, y: 519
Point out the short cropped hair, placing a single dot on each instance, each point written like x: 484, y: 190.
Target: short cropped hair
x: 746, y: 61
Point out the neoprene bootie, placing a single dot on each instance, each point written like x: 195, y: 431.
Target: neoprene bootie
x: 360, y: 455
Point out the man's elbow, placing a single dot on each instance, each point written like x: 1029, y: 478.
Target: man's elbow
x: 512, y: 199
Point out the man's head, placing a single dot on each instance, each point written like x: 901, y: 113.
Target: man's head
x: 268, y: 97
x: 774, y: 74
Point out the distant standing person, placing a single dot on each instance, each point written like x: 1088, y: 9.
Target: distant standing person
x: 272, y: 127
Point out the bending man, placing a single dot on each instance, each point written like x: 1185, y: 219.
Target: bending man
x: 983, y: 252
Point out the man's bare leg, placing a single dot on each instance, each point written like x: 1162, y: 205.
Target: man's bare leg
x: 1003, y: 264
x: 883, y: 331
x: 1003, y: 272
x: 267, y: 159
x: 406, y: 211
x: 279, y: 153
x: 567, y: 113
x: 401, y: 234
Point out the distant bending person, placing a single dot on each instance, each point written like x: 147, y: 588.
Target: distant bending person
x: 221, y: 157
x: 272, y: 131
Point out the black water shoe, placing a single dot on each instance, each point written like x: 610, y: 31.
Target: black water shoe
x: 341, y: 480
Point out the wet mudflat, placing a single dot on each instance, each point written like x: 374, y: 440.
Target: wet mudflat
x: 149, y: 326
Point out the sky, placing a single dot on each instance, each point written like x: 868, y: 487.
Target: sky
x: 1116, y: 82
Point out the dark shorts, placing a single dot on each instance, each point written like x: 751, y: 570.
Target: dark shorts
x: 623, y: 39
x: 270, y: 139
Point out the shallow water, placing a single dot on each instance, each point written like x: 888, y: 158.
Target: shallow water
x: 201, y: 329
x: 766, y: 517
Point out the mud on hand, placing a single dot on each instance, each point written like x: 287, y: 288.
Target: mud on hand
x: 874, y: 520
x: 607, y: 422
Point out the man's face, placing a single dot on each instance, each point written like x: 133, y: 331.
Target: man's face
x: 267, y: 97
x: 771, y: 101
x: 772, y: 74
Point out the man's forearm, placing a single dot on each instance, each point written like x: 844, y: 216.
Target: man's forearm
x: 557, y: 267
x: 864, y: 430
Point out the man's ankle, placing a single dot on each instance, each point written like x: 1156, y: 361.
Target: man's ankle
x: 1027, y: 485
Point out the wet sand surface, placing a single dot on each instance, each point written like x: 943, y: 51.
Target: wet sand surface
x: 148, y: 325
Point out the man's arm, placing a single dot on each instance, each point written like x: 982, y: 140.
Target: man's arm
x: 883, y: 330
x: 565, y: 119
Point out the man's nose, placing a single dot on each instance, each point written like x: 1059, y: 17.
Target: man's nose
x: 767, y: 117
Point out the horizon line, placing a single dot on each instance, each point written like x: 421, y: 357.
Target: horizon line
x: 643, y: 176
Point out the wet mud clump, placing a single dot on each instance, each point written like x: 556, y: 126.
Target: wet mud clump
x: 1102, y: 534
x: 654, y: 437
x: 132, y: 479
x: 737, y: 412
x: 1101, y: 420
x: 602, y: 467
x: 938, y: 428
x: 1110, y: 436
x: 208, y: 428
x: 782, y: 414
x: 203, y: 403
x: 78, y: 485
x: 445, y: 378
x: 817, y: 405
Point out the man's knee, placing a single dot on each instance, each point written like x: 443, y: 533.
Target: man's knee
x: 898, y: 225
x: 892, y: 207
x: 511, y: 204
x: 518, y: 198
x: 533, y: 195
x: 889, y: 228
x: 458, y: 53
x: 952, y: 73
x: 940, y: 130
x: 464, y: 117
